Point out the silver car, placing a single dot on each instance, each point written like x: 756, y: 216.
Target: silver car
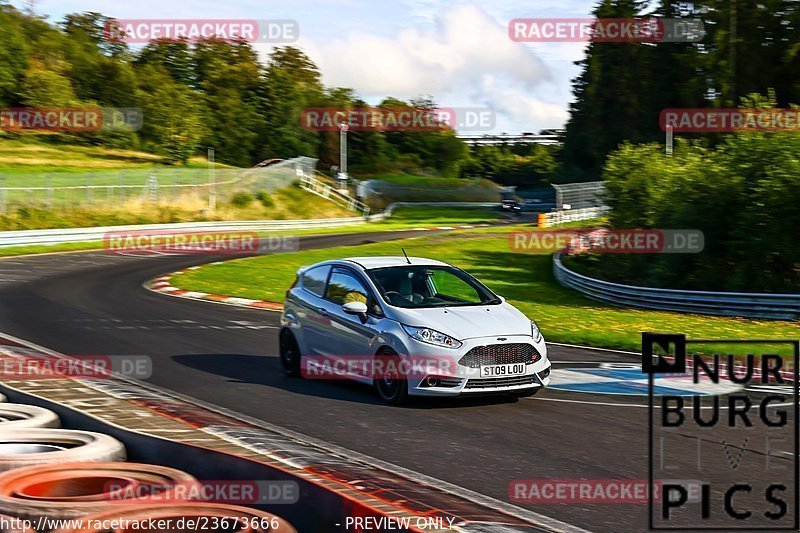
x: 410, y: 326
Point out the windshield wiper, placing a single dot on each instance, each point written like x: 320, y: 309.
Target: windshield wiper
x: 494, y: 301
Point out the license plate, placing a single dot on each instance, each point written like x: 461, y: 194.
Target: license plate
x: 493, y: 371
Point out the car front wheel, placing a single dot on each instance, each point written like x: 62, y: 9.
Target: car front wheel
x: 391, y: 386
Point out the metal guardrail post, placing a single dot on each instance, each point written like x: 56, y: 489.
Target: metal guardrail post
x: 48, y: 192
x: 212, y: 182
x: 152, y: 188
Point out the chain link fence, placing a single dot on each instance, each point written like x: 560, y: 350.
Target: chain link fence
x: 578, y: 201
x: 65, y: 191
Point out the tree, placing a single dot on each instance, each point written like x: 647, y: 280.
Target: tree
x: 228, y: 75
x: 291, y: 83
x: 742, y: 195
x: 609, y: 94
x: 43, y: 86
x: 174, y: 124
x: 173, y: 55
x: 14, y: 52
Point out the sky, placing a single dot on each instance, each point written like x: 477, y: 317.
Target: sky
x: 458, y: 52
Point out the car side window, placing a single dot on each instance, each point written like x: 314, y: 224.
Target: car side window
x: 345, y: 288
x: 314, y: 279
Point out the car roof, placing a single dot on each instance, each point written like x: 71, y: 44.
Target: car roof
x: 390, y: 261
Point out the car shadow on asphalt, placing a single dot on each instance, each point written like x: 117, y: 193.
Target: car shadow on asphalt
x: 266, y: 371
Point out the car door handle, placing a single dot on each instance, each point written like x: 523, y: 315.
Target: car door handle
x: 322, y: 311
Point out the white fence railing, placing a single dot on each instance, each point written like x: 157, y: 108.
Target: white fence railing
x: 556, y: 218
x: 751, y: 305
x: 316, y: 186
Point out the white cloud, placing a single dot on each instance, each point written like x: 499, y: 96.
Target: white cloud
x: 525, y: 110
x: 456, y: 55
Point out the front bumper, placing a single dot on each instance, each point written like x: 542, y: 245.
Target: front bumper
x: 467, y: 380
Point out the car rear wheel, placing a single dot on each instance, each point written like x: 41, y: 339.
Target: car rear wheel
x: 391, y: 386
x: 290, y: 354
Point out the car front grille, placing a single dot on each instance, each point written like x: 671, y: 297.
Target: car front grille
x: 490, y: 383
x: 500, y: 354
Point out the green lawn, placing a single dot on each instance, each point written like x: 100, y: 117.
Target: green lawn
x: 412, y: 180
x: 36, y: 154
x: 525, y: 280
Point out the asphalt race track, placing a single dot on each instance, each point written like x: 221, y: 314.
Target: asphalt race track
x: 94, y: 304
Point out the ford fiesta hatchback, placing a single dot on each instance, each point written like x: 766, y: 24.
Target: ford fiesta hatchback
x: 410, y: 326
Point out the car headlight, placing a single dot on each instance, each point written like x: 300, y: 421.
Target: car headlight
x: 535, y: 333
x: 431, y: 336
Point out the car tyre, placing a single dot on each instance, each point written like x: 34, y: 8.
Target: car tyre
x: 38, y: 446
x: 18, y: 416
x: 392, y: 390
x: 289, y: 354
x: 71, y: 490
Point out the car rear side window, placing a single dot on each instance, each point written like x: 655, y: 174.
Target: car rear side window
x: 314, y: 279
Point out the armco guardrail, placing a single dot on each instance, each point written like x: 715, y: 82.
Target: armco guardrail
x: 61, y: 236
x: 751, y: 305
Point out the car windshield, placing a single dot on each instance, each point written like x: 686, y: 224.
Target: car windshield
x: 418, y: 286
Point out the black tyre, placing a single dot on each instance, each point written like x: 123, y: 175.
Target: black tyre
x: 290, y: 354
x: 392, y: 387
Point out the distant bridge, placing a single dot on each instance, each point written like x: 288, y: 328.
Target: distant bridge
x: 543, y: 137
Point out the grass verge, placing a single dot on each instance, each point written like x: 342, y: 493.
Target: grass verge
x: 283, y: 204
x: 525, y: 280
x: 432, y: 182
x: 39, y: 153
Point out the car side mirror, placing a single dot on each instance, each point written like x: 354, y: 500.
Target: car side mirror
x: 356, y: 308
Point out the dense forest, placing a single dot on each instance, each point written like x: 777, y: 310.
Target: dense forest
x: 748, y: 47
